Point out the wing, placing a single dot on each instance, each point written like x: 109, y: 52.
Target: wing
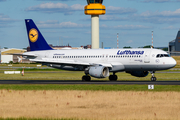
x: 69, y: 62
x: 59, y: 62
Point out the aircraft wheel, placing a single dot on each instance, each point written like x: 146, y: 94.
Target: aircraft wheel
x: 86, y: 78
x: 113, y: 77
x: 153, y: 78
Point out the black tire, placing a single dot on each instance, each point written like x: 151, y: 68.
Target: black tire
x: 153, y: 78
x: 113, y: 77
x: 83, y: 78
x: 86, y: 78
x: 110, y: 77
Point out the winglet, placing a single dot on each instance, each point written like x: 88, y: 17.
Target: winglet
x: 36, y: 40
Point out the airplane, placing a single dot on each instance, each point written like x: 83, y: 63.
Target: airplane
x: 98, y: 63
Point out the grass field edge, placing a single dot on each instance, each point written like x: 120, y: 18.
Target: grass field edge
x: 91, y: 87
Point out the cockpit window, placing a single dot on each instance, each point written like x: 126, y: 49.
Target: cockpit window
x: 162, y: 55
x: 166, y: 55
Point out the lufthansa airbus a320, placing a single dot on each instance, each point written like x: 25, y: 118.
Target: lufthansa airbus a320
x: 97, y: 63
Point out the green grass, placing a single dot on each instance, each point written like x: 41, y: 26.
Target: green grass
x: 92, y: 87
x: 77, y: 75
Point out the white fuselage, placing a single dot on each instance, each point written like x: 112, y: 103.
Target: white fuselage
x: 115, y: 59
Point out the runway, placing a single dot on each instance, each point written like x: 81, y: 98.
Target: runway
x: 90, y: 82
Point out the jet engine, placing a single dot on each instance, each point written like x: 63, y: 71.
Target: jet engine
x: 138, y: 73
x: 97, y: 71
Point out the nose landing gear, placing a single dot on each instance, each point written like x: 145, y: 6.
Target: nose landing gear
x: 153, y: 78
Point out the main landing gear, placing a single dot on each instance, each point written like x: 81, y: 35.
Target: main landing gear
x: 113, y: 77
x: 86, y: 78
x: 153, y: 78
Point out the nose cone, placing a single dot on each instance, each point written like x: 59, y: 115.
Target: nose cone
x: 173, y: 62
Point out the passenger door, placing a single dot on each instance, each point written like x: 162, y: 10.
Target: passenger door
x: 147, y: 57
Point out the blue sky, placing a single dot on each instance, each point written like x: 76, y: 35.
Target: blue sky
x: 64, y: 21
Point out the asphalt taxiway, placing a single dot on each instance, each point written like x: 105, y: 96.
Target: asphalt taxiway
x: 89, y: 82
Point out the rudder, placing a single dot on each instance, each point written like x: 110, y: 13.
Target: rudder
x: 36, y: 40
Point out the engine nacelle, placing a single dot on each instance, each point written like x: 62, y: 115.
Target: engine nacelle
x: 138, y: 73
x: 97, y: 71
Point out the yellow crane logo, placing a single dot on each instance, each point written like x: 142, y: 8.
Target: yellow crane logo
x: 33, y: 35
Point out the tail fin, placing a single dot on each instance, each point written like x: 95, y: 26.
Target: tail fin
x: 36, y: 40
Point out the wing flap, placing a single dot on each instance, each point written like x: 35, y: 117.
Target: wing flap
x: 60, y: 62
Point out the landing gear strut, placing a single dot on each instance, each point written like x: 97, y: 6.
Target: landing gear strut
x: 113, y: 77
x: 86, y: 77
x: 153, y: 78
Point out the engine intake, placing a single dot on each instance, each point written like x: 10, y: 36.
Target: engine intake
x: 97, y: 71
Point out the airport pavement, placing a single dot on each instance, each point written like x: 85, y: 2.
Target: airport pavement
x: 90, y: 82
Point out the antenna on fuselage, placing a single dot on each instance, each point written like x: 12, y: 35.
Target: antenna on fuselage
x: 117, y: 41
x: 152, y: 40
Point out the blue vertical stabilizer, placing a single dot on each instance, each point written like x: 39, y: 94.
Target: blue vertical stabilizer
x: 36, y: 40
